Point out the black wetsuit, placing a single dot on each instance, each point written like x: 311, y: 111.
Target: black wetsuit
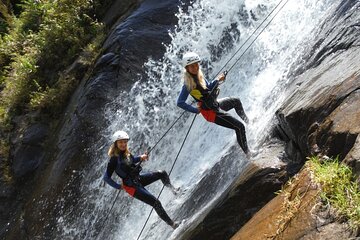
x: 134, y: 182
x: 214, y: 110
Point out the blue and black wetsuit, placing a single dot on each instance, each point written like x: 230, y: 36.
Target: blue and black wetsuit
x: 133, y: 182
x: 214, y: 110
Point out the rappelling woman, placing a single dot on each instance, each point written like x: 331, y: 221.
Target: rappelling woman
x: 205, y: 94
x: 128, y: 168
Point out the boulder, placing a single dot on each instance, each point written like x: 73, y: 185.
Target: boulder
x: 316, y: 117
x: 119, y: 65
x: 296, y: 213
x: 29, y: 152
x: 254, y: 187
x: 313, y: 116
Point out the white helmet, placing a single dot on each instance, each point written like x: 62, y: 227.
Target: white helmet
x: 190, y: 58
x: 120, y: 135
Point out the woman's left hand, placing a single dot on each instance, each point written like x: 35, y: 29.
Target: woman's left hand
x: 221, y: 77
x: 144, y: 157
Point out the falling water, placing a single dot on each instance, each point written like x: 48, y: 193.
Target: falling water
x: 215, y: 29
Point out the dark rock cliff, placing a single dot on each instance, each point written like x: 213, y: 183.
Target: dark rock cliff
x: 47, y: 182
x: 296, y: 213
x: 44, y: 156
x: 47, y: 159
x: 320, y: 116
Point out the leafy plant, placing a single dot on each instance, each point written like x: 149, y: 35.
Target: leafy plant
x: 42, y: 41
x: 338, y: 187
x: 6, y: 175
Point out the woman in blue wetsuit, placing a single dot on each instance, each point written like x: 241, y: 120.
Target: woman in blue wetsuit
x: 205, y: 93
x: 128, y: 168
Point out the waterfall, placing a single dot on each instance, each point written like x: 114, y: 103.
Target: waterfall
x: 214, y: 29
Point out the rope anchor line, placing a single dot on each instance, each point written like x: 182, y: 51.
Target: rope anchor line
x: 221, y: 70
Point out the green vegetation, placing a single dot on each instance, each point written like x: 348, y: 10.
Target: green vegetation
x: 41, y: 42
x: 338, y: 188
x: 37, y: 45
x: 4, y: 17
x: 6, y: 175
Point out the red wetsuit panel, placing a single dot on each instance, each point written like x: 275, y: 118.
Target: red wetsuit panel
x: 209, y: 114
x: 129, y: 190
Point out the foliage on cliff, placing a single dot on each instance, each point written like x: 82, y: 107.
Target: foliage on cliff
x: 339, y: 188
x: 5, y: 16
x: 41, y: 42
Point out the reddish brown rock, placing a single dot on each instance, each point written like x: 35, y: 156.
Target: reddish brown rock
x: 296, y: 213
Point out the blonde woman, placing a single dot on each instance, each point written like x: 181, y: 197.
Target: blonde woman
x: 128, y: 168
x: 205, y: 93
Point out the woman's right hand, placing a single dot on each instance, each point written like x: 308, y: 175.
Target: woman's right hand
x: 198, y: 106
x: 144, y: 157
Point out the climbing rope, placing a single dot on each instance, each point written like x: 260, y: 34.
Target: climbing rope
x: 161, y: 138
x: 221, y: 70
x: 213, y: 89
x: 172, y: 167
x: 260, y: 31
x: 108, y: 214
x: 242, y: 45
x: 150, y: 149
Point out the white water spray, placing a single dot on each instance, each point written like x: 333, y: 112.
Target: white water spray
x: 215, y: 29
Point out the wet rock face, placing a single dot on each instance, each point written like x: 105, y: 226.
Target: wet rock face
x: 241, y: 204
x: 343, y: 125
x: 120, y: 64
x: 322, y: 115
x: 314, y: 116
x: 113, y: 11
x: 125, y: 53
x: 337, y: 33
x: 7, y: 195
x: 257, y: 184
x: 29, y: 152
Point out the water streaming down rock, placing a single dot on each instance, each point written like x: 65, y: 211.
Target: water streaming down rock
x: 211, y: 158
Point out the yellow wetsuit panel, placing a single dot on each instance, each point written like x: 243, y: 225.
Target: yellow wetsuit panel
x: 196, y: 94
